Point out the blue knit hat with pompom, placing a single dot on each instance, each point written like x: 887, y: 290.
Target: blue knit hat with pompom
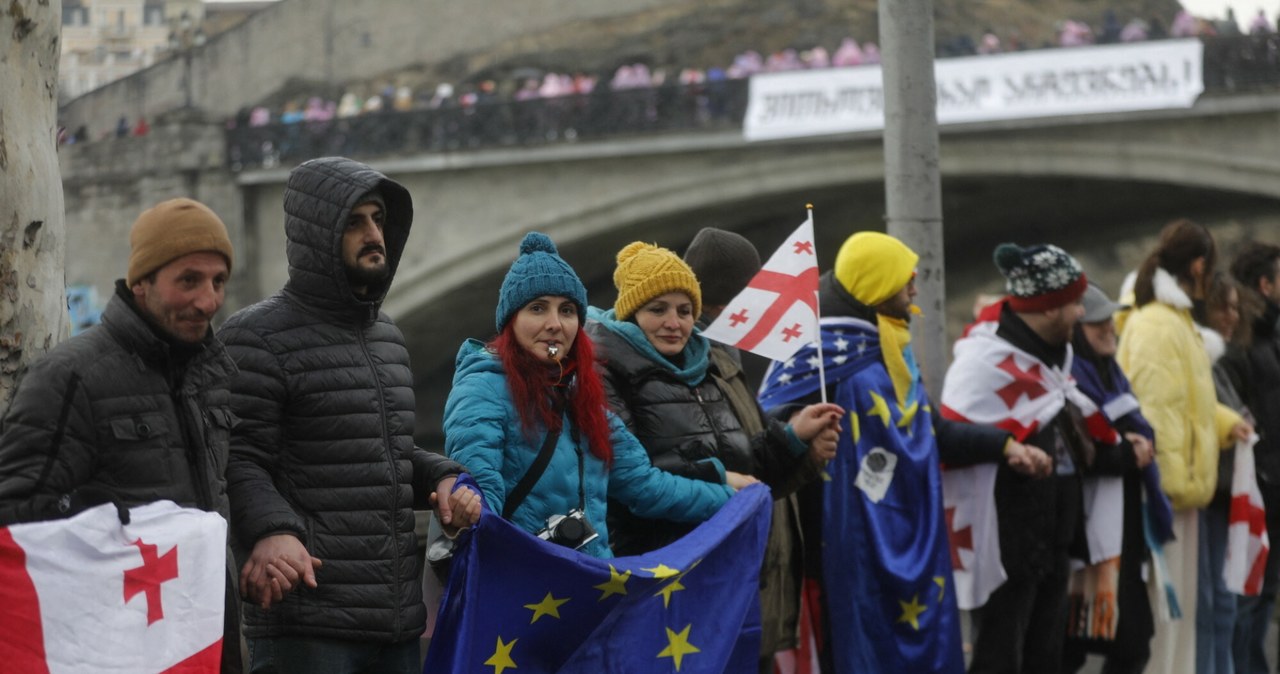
x: 538, y: 271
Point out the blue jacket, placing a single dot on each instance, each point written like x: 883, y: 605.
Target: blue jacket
x: 483, y: 432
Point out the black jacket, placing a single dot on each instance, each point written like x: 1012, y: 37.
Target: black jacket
x: 1255, y: 374
x: 1041, y: 519
x: 325, y: 448
x: 113, y: 414
x: 120, y: 414
x: 681, y: 427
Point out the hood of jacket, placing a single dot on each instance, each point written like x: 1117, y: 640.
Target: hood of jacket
x: 318, y: 199
x: 474, y: 358
x: 1168, y: 291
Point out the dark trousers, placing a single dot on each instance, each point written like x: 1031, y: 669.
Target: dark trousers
x: 295, y: 655
x: 1023, y: 624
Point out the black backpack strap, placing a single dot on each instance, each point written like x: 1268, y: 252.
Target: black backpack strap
x: 525, y: 485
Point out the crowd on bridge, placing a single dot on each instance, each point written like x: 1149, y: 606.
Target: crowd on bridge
x: 529, y: 105
x: 1095, y: 476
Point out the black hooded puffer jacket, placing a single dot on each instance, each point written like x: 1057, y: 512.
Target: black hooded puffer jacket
x: 325, y: 449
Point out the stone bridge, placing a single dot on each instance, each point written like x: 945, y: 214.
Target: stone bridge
x: 1099, y: 185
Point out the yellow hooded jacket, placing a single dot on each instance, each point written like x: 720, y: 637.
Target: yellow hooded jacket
x: 1164, y: 357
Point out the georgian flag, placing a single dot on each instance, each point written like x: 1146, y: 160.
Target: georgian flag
x: 88, y: 594
x: 1247, y: 541
x: 777, y: 313
x: 993, y: 382
x: 970, y: 507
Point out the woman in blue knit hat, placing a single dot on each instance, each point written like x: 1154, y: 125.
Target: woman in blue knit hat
x: 527, y: 415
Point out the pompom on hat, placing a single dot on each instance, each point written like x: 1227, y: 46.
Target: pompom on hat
x: 171, y: 229
x: 646, y: 271
x: 1039, y: 278
x: 538, y: 271
x: 874, y: 266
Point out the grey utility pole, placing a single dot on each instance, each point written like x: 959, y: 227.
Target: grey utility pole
x: 913, y: 190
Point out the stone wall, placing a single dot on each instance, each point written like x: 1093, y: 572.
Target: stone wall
x: 108, y: 183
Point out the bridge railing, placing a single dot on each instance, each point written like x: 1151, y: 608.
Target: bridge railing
x: 1230, y: 64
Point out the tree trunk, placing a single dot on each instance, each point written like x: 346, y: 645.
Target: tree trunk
x: 33, y: 306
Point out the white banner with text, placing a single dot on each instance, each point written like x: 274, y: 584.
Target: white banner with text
x: 1045, y: 83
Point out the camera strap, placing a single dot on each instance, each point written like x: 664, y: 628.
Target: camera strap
x: 525, y: 485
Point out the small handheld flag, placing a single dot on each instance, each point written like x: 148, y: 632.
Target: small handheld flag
x: 777, y: 313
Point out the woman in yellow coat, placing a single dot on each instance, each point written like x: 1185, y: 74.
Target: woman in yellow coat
x: 1163, y: 354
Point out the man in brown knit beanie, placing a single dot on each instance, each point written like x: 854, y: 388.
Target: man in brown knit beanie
x: 136, y: 409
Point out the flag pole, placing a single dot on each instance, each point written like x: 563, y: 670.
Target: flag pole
x: 817, y: 302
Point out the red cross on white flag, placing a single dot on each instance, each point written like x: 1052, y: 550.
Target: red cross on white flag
x: 91, y: 594
x: 777, y: 313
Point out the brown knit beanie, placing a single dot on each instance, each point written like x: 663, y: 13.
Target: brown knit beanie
x: 171, y: 229
x: 646, y: 271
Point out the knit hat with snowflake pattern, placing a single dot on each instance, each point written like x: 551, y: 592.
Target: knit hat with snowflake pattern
x: 1039, y: 278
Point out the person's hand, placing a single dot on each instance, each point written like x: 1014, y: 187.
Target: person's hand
x: 738, y: 480
x: 1143, y: 451
x: 822, y: 448
x: 460, y: 510
x: 1028, y: 460
x: 810, y: 421
x: 276, y: 566
x: 1242, y: 431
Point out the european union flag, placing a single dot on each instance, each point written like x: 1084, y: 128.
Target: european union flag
x: 518, y: 604
x: 886, y: 559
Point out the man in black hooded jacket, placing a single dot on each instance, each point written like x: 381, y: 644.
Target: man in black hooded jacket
x: 324, y: 476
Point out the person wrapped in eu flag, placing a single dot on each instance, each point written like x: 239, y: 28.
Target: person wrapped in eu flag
x: 887, y: 596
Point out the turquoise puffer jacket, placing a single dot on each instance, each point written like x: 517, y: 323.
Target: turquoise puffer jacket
x: 483, y: 432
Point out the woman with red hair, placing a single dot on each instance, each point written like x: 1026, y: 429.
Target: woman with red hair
x: 527, y: 415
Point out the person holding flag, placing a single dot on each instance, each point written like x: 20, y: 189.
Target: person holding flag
x: 662, y: 382
x: 877, y: 530
x: 725, y: 263
x: 1164, y: 356
x: 527, y: 416
x: 133, y: 411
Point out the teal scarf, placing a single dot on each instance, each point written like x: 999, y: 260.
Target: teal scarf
x: 696, y: 352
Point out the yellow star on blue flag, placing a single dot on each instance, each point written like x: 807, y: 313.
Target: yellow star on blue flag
x: 617, y: 583
x: 911, y: 612
x: 548, y: 606
x: 879, y: 408
x: 501, y: 658
x: 678, y: 645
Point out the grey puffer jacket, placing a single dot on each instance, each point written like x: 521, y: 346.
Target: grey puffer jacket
x: 324, y: 449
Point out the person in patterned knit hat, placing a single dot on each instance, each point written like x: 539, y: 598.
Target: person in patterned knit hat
x: 1021, y: 627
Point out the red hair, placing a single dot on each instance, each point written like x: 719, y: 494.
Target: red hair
x: 530, y: 382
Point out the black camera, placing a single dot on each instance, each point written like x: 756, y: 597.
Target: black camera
x: 571, y: 530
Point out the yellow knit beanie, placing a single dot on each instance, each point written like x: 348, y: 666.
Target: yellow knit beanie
x: 646, y: 271
x: 873, y: 267
x: 171, y: 229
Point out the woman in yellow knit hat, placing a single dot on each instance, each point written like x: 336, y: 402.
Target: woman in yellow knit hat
x: 661, y: 381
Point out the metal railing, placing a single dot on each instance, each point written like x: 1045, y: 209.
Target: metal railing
x: 1231, y: 64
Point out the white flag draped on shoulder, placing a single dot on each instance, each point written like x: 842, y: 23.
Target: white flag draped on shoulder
x: 777, y: 313
x: 1247, y: 541
x: 89, y: 594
